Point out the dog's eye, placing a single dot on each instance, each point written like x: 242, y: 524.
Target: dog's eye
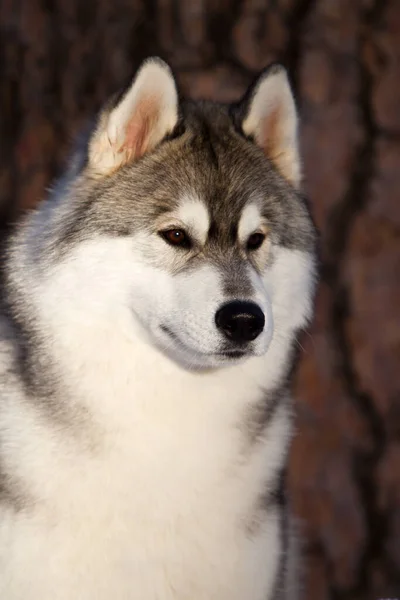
x: 255, y: 241
x: 176, y: 237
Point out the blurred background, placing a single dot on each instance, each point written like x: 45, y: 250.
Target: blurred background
x: 59, y: 61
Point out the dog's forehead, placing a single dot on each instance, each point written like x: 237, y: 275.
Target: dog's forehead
x: 215, y: 180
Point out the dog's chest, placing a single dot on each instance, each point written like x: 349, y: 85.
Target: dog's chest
x: 166, y: 504
x: 178, y: 522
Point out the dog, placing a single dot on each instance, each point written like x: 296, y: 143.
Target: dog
x: 151, y: 307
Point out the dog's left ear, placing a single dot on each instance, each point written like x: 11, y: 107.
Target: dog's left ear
x: 269, y: 116
x: 147, y: 112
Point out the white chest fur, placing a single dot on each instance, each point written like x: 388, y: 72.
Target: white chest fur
x: 151, y: 494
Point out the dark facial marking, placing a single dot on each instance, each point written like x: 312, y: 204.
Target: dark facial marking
x: 236, y: 282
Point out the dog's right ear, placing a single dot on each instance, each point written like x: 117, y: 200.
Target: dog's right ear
x: 147, y: 112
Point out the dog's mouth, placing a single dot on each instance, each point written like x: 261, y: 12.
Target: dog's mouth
x: 233, y: 354
x: 228, y: 354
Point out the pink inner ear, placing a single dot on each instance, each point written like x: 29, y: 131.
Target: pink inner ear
x: 138, y: 130
x: 270, y: 137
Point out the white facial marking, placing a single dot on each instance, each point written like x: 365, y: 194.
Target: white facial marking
x: 250, y: 221
x: 193, y: 213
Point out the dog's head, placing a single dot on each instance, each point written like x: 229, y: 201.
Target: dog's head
x: 187, y: 218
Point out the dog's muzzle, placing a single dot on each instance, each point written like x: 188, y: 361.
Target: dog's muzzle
x: 241, y: 322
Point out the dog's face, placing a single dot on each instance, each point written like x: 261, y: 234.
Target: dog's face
x: 201, y: 262
x: 193, y: 214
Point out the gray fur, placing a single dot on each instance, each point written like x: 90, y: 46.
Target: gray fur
x: 262, y: 413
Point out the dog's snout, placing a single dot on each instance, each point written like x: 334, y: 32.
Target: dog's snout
x: 240, y: 321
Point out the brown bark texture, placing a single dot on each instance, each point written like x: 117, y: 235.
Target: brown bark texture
x: 60, y: 59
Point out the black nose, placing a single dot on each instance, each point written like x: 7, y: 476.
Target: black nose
x: 240, y: 321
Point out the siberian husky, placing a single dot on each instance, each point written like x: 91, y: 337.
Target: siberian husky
x: 151, y: 308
